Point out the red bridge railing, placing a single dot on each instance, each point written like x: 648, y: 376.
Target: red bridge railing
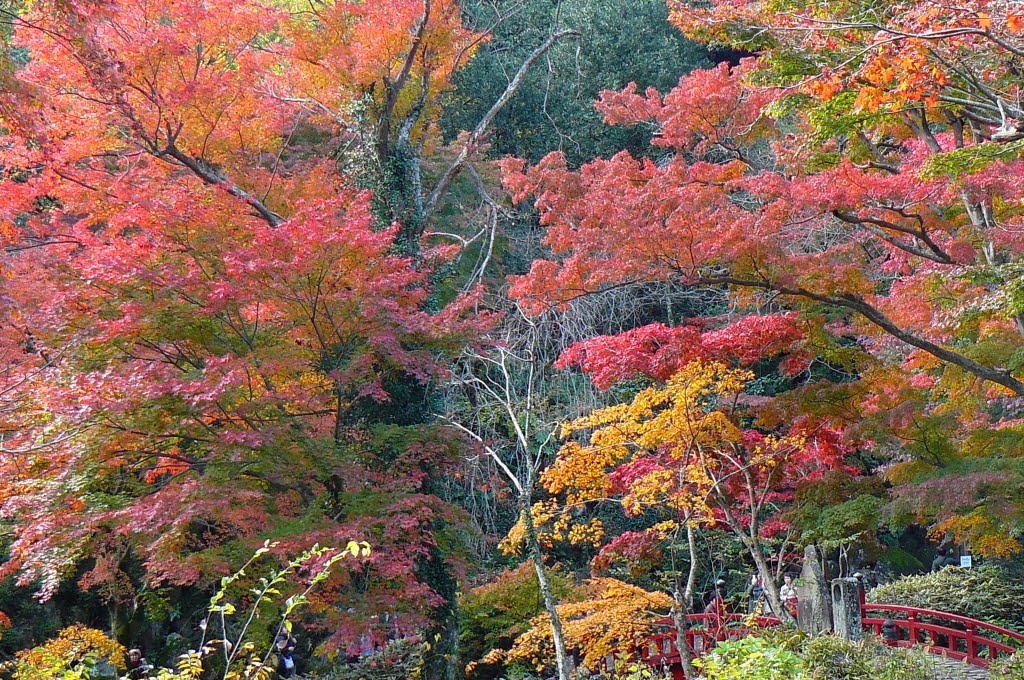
x: 703, y: 632
x: 958, y: 637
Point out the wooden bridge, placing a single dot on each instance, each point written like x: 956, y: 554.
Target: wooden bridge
x: 948, y: 635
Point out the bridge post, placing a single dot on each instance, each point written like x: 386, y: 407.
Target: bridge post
x: 847, y: 615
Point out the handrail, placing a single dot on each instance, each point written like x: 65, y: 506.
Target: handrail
x: 717, y: 628
x: 915, y: 628
x: 974, y: 635
x: 762, y: 620
x: 970, y: 644
x: 1012, y: 634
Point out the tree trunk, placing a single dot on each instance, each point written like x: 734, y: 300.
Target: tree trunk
x: 566, y: 668
x: 684, y: 606
x: 771, y: 588
x: 753, y: 545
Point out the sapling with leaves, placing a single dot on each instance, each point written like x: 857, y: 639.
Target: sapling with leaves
x: 241, y: 655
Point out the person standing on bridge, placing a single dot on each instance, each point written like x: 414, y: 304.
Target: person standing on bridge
x: 717, y: 601
x: 715, y: 611
x: 787, y: 593
x: 755, y: 596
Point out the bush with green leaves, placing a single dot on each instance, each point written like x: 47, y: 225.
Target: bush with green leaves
x: 832, y: 658
x: 397, y: 659
x: 751, y: 658
x: 1010, y: 668
x: 554, y: 109
x: 785, y: 637
x: 991, y: 593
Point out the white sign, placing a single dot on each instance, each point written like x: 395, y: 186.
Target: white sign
x: 965, y: 561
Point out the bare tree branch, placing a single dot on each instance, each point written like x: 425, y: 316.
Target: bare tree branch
x: 478, y: 134
x: 215, y: 177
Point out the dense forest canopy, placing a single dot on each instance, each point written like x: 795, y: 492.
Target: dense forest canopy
x: 541, y: 320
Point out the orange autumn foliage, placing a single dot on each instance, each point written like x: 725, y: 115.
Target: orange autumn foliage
x: 72, y: 647
x: 617, y: 617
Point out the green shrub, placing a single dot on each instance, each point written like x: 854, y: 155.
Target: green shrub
x: 751, y: 658
x: 905, y: 664
x: 1011, y: 668
x: 785, y: 637
x: 832, y: 658
x: 989, y: 593
x: 520, y: 671
x: 397, y: 659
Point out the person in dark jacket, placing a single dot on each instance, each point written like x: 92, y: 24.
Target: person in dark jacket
x: 138, y: 667
x: 715, y: 614
x: 755, y: 597
x: 944, y: 559
x: 284, y: 647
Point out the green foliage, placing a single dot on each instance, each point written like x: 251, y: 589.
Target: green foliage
x: 991, y: 593
x: 788, y: 654
x: 970, y: 159
x: 237, y: 648
x: 901, y: 561
x: 847, y: 520
x: 1007, y: 279
x: 784, y: 637
x: 832, y: 658
x: 521, y: 671
x: 837, y: 117
x: 751, y: 658
x: 837, y: 659
x: 397, y: 659
x: 1011, y: 668
x: 838, y: 509
x: 35, y: 621
x: 621, y: 41
x: 785, y: 68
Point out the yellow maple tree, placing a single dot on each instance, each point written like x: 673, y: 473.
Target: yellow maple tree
x: 618, y: 618
x: 66, y: 656
x: 678, y: 449
x: 680, y: 420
